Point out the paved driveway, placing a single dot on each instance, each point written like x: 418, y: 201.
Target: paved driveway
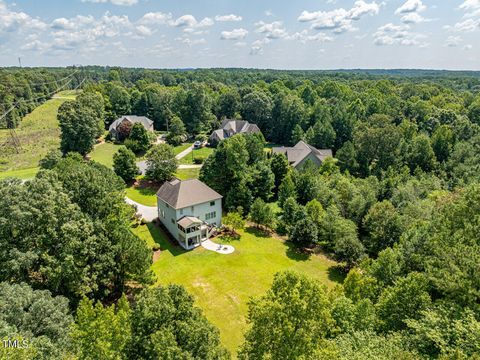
x: 149, y: 213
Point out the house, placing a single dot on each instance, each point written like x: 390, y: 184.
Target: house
x: 302, y: 152
x: 189, y: 210
x: 132, y: 119
x: 228, y: 128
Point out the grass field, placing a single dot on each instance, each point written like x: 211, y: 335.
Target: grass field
x: 38, y: 133
x: 142, y: 194
x: 178, y: 149
x: 185, y: 174
x: 103, y: 153
x: 202, y: 152
x: 223, y: 284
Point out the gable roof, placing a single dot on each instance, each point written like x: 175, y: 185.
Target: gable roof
x: 234, y: 126
x: 300, y: 151
x: 188, y: 221
x: 180, y: 194
x: 133, y: 119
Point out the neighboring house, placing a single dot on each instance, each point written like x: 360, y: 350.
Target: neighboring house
x: 190, y: 210
x: 232, y: 127
x: 132, y: 119
x: 302, y: 152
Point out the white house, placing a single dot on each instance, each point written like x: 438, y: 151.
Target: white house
x: 301, y: 153
x: 190, y: 210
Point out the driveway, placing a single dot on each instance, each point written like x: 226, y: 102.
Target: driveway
x: 184, y: 153
x: 221, y: 249
x: 149, y: 213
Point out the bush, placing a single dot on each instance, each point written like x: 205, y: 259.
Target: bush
x: 198, y: 159
x: 156, y: 247
x: 124, y: 164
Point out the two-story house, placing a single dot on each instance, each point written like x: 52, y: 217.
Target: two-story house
x: 190, y: 210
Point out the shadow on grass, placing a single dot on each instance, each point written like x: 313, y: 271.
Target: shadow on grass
x: 260, y: 233
x: 337, y: 274
x: 164, y: 239
x: 294, y: 253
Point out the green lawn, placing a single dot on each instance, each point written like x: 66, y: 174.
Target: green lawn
x: 103, y: 153
x: 38, y: 133
x: 222, y: 284
x: 202, y: 152
x: 143, y: 192
x: 185, y: 174
x: 178, y: 149
x: 23, y: 174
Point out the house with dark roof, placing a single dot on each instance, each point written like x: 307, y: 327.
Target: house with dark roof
x: 190, y: 211
x: 132, y: 120
x: 299, y: 154
x: 228, y: 128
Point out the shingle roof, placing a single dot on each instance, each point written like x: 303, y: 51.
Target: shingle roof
x: 300, y: 151
x: 235, y: 127
x: 146, y: 122
x: 180, y: 194
x: 186, y: 221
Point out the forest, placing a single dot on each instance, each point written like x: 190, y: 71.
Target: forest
x: 398, y: 207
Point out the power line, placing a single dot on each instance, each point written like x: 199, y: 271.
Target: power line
x: 49, y: 82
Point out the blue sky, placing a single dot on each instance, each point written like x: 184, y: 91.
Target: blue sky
x: 282, y: 34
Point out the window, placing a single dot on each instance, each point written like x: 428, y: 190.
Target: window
x: 193, y: 208
x: 212, y: 203
x: 173, y: 221
x: 211, y: 215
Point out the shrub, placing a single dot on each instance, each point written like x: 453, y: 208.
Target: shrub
x: 156, y: 247
x: 198, y: 159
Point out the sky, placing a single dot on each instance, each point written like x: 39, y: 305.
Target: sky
x: 278, y: 34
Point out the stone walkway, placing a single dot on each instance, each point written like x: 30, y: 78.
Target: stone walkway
x: 221, y: 249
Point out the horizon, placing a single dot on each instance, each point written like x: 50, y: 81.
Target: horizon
x: 303, y: 35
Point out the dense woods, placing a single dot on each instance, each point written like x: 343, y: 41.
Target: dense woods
x: 398, y: 207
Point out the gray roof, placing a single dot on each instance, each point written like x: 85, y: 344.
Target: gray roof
x: 188, y: 221
x: 300, y: 151
x: 229, y: 126
x: 180, y: 194
x: 146, y: 122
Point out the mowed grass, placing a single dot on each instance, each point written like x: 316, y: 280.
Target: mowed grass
x: 185, y: 174
x: 178, y: 149
x: 103, y: 153
x: 223, y: 284
x: 142, y: 195
x: 202, y: 152
x: 23, y: 174
x: 38, y: 133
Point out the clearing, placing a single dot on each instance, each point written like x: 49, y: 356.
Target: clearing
x: 38, y: 133
x: 223, y: 284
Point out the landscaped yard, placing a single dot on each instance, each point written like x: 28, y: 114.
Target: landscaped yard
x: 143, y: 194
x: 202, y: 152
x: 103, y: 153
x: 38, y: 133
x: 178, y: 149
x: 185, y: 174
x: 223, y: 284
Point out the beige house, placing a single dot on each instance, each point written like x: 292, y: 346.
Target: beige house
x: 299, y: 154
x: 228, y: 128
x: 190, y: 211
x: 132, y: 119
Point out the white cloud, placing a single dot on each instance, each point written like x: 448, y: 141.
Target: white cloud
x: 411, y: 6
x: 467, y: 47
x: 152, y: 18
x: 230, y: 17
x: 274, y: 30
x: 453, y: 41
x: 189, y: 21
x: 304, y: 37
x: 467, y: 25
x: 413, y: 18
x: 235, y: 34
x: 390, y: 34
x: 470, y: 5
x: 13, y: 22
x: 471, y: 21
x: 257, y: 47
x: 339, y: 20
x: 113, y: 2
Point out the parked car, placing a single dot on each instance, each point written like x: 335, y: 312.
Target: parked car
x: 197, y: 145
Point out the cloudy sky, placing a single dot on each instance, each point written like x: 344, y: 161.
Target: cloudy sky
x: 283, y: 34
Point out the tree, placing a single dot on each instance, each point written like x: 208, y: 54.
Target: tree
x: 125, y: 164
x: 297, y: 309
x: 474, y: 111
x: 304, y: 233
x: 346, y: 157
x: 263, y: 181
x: 442, y: 142
x: 101, y: 332
x: 36, y: 316
x: 421, y: 154
x: 298, y: 134
x: 286, y: 189
x: 118, y: 102
x: 405, y: 300
x: 139, y: 140
x: 261, y: 213
x: 196, y: 111
x: 229, y: 104
x: 166, y: 324
x: 233, y: 221
x: 383, y: 225
x: 257, y: 108
x: 176, y: 131
x: 347, y: 246
x: 51, y: 159
x: 78, y: 126
x: 161, y: 163
x: 280, y: 167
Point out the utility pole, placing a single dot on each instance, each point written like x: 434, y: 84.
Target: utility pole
x: 20, y: 61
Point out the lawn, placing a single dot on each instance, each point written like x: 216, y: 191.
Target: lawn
x: 223, y: 284
x: 178, y: 149
x: 103, y: 153
x: 38, y: 133
x: 202, y: 152
x: 143, y: 192
x: 185, y: 174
